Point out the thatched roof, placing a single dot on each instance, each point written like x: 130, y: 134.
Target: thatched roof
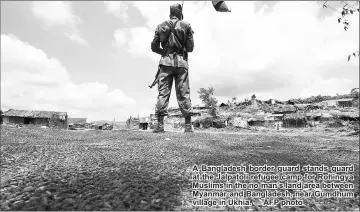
x: 33, y: 113
x: 294, y: 116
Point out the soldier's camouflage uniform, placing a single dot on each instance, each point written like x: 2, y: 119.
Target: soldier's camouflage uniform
x: 173, y: 66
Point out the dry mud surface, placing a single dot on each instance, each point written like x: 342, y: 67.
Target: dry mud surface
x: 48, y: 169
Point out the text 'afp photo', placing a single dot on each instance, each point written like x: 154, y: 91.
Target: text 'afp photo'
x: 179, y: 106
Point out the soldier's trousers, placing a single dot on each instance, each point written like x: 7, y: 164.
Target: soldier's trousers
x: 167, y: 75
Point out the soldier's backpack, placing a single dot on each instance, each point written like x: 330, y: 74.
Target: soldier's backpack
x: 173, y: 44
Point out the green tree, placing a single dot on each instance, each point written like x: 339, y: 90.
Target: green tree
x: 207, y: 97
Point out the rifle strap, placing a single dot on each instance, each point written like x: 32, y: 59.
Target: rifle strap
x: 172, y: 30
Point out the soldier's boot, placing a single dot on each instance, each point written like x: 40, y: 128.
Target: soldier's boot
x: 159, y: 128
x: 188, y: 125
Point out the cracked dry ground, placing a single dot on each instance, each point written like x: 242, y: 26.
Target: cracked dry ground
x: 48, y: 169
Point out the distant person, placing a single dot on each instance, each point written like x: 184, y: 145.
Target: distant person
x: 173, y: 65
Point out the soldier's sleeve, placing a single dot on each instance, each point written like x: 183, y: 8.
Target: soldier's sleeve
x: 190, y: 39
x: 155, y: 44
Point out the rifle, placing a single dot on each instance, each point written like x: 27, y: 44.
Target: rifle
x: 156, y: 77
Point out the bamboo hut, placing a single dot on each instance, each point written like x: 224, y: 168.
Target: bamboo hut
x: 294, y: 121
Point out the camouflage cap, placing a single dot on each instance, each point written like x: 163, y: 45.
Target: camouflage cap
x: 176, y: 9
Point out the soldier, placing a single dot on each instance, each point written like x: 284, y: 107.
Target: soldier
x: 176, y: 38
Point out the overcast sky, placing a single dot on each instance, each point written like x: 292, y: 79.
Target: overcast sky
x: 93, y: 59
